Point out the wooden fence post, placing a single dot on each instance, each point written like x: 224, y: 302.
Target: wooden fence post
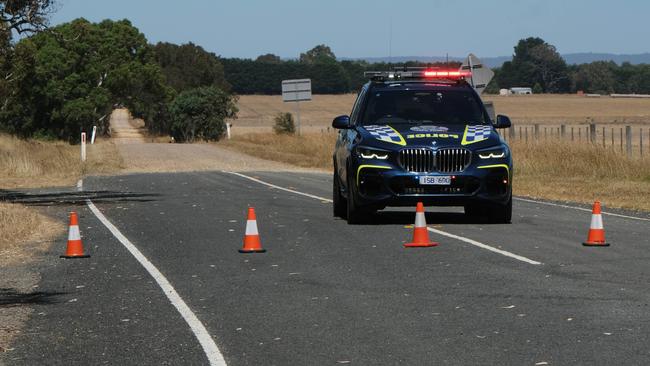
x: 628, y: 141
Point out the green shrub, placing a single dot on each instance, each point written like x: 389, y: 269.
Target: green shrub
x: 284, y: 123
x: 200, y: 114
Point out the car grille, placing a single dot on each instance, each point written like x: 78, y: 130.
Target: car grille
x: 424, y: 160
x: 418, y: 160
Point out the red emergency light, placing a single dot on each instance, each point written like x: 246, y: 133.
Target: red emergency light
x: 446, y: 74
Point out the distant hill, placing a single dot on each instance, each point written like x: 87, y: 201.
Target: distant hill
x: 571, y: 58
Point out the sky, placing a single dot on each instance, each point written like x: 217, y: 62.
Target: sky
x: 367, y: 28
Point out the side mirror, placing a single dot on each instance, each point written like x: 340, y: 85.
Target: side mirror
x: 502, y: 122
x: 341, y: 122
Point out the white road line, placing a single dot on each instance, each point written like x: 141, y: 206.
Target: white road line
x: 484, y: 246
x: 209, y: 347
x: 579, y: 208
x: 461, y: 238
x: 280, y: 188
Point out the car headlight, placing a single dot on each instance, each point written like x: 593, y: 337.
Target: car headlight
x: 493, y: 152
x: 366, y: 153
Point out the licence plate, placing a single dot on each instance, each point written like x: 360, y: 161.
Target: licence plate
x: 436, y: 180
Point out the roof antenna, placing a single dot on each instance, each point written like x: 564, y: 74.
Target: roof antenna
x: 390, y: 42
x: 447, y: 60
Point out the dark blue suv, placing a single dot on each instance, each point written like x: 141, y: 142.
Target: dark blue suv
x: 421, y: 135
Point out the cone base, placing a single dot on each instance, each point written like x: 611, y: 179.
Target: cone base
x: 252, y: 250
x: 74, y: 256
x: 595, y: 244
x: 420, y: 245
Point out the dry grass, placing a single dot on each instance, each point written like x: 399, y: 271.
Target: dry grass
x: 581, y: 173
x: 309, y: 151
x: 571, y: 109
x: 31, y: 163
x: 559, y: 171
x: 256, y: 112
x: 20, y: 225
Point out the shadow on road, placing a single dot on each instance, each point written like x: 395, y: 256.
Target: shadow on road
x: 9, y: 297
x: 408, y: 218
x: 73, y: 198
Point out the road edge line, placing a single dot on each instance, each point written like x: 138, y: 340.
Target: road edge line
x: 200, y: 332
x: 280, y: 188
x: 484, y: 246
x: 579, y: 208
x: 453, y: 236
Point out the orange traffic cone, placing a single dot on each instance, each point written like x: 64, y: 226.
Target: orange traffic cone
x: 596, y: 237
x: 420, y: 232
x: 75, y: 247
x: 252, y: 242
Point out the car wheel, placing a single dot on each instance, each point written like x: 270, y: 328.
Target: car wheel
x: 354, y: 214
x: 502, y: 214
x: 339, y: 207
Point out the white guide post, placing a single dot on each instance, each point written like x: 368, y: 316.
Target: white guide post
x: 83, y: 146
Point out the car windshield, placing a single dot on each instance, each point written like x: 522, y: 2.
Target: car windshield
x: 422, y: 106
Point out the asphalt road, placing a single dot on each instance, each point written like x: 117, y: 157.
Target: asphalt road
x: 327, y: 293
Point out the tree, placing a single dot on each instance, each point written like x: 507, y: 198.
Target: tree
x: 24, y: 16
x: 200, y: 114
x: 318, y: 54
x: 536, y: 61
x: 596, y: 77
x: 189, y: 66
x: 269, y: 58
x: 68, y: 79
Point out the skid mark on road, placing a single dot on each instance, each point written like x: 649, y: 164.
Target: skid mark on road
x: 200, y: 332
x: 444, y: 233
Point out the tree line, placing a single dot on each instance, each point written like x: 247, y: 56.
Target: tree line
x: 58, y: 81
x: 537, y: 64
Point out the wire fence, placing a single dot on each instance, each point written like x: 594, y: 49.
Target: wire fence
x: 631, y: 140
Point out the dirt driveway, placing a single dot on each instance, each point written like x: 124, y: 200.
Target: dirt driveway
x: 142, y: 156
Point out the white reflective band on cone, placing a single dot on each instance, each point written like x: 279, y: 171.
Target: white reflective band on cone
x: 596, y: 221
x: 73, y: 233
x: 251, y: 227
x: 420, y: 221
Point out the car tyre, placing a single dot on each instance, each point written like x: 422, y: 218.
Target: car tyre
x: 354, y: 214
x: 339, y: 206
x: 502, y: 214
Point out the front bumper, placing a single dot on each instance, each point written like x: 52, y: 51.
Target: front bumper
x: 382, y: 185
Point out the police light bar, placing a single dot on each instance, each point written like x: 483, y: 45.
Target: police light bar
x: 446, y: 74
x: 419, y: 74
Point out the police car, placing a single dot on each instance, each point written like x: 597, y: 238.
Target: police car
x: 421, y: 135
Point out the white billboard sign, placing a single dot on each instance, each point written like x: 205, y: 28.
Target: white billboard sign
x: 296, y: 90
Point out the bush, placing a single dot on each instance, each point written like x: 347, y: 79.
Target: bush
x: 200, y: 114
x: 284, y: 124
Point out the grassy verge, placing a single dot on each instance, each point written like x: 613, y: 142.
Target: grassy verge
x: 307, y: 151
x: 20, y: 225
x: 558, y: 171
x: 581, y: 173
x: 33, y: 164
